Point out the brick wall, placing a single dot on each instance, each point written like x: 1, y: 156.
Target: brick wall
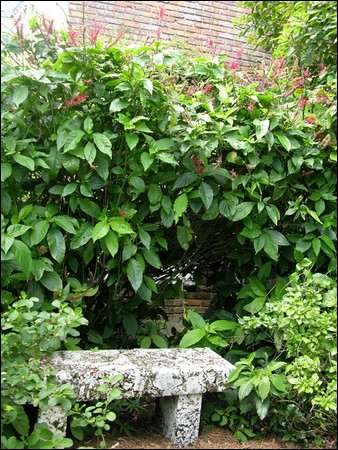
x: 203, y: 25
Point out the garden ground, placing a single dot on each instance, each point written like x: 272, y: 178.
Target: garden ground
x: 214, y: 438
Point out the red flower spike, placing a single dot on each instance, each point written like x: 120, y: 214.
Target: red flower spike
x: 80, y: 98
x: 310, y: 119
x: 232, y: 65
x: 302, y: 102
x: 207, y: 89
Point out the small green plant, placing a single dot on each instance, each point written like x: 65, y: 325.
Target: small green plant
x: 96, y: 417
x: 29, y: 336
x: 256, y: 384
x: 149, y: 334
x: 217, y: 334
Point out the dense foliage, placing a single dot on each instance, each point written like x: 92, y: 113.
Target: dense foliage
x: 123, y: 170
x: 305, y: 30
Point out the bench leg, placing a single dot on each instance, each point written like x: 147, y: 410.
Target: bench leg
x: 55, y: 418
x: 181, y: 418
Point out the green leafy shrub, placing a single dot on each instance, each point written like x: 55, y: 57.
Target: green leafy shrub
x: 294, y: 29
x: 300, y: 324
x: 122, y: 170
x: 29, y: 335
x: 98, y: 416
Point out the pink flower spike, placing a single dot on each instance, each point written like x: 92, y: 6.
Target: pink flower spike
x: 72, y: 35
x: 233, y: 65
x: 161, y: 13
x: 210, y: 43
x: 94, y: 33
x: 158, y: 33
x: 306, y: 73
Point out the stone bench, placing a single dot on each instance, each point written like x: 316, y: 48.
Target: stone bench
x: 178, y: 376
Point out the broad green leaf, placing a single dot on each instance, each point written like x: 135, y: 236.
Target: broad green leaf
x: 56, y: 244
x: 88, y: 125
x: 89, y: 207
x: 195, y: 319
x: 270, y: 247
x: 66, y: 223
x: 185, y: 180
x: 90, y: 152
x: 262, y: 407
x: 279, y: 382
x: 72, y: 140
x: 6, y: 171
x: 167, y: 158
x: 256, y: 305
x: 227, y: 208
x: 117, y: 105
x: 103, y: 144
x: 83, y: 235
x: 192, y: 337
x: 135, y: 273
x: 129, y: 250
x: 159, y: 341
x: 314, y: 215
x: 242, y: 211
x: 138, y: 184
x: 154, y: 194
x: 152, y: 258
x: 145, y: 342
x: 316, y: 246
x: 184, y: 236
x: 6, y: 242
x: 51, y: 281
x: 145, y: 237
x: 20, y: 94
x: 163, y: 144
x: 112, y: 243
x: 100, y: 230
x: 328, y: 241
x: 120, y: 225
x: 39, y: 232
x: 146, y: 160
x: 245, y: 390
x: 180, y: 206
x: 132, y: 140
x: 273, y: 213
x: 278, y: 238
x: 21, y: 422
x: 24, y: 161
x: 206, y: 194
x: 148, y: 85
x: 69, y: 189
x: 283, y: 140
x: 264, y: 388
x: 23, y: 256
x: 17, y: 230
x: 262, y: 127
x: 223, y: 325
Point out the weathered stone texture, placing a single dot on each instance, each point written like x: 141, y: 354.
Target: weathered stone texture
x: 178, y: 376
x: 151, y: 372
